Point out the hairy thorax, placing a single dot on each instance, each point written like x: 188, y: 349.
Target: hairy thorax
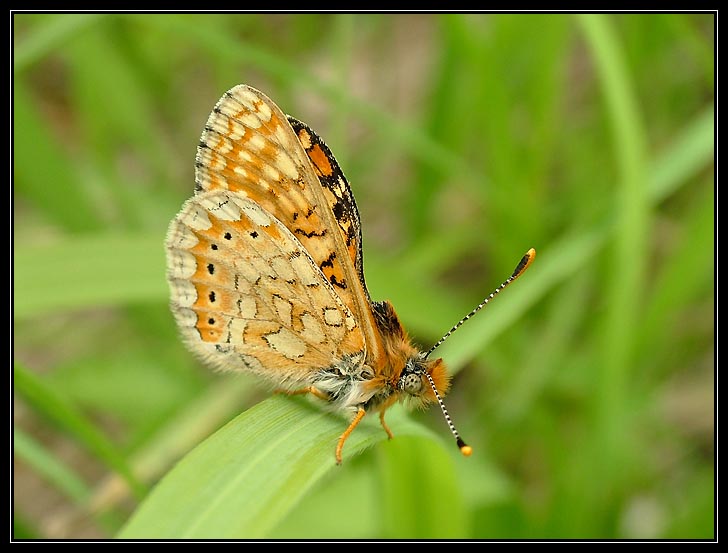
x: 356, y: 382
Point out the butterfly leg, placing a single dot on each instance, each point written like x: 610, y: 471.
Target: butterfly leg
x: 340, y: 446
x: 307, y: 390
x: 385, y: 425
x: 387, y: 404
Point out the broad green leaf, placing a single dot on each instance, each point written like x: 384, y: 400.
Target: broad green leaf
x: 419, y: 477
x: 245, y: 478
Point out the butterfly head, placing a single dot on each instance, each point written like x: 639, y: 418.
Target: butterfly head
x: 414, y: 379
x: 424, y: 380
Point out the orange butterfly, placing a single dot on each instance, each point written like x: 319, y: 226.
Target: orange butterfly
x: 264, y: 264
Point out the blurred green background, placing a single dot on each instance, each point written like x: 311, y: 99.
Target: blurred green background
x: 586, y: 389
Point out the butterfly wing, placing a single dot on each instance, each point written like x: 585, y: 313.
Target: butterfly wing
x: 337, y: 191
x: 249, y: 147
x: 247, y: 295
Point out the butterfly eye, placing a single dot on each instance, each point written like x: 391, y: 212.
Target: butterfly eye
x: 411, y: 383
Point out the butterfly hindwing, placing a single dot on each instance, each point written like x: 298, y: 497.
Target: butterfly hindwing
x: 248, y: 296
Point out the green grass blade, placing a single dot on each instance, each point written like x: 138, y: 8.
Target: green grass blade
x: 558, y: 261
x: 419, y: 476
x: 181, y: 433
x: 49, y: 466
x: 417, y: 144
x: 354, y: 490
x: 410, y: 474
x: 117, y: 112
x: 674, y: 290
x: 43, y: 173
x: 88, y: 272
x: 554, y: 263
x: 50, y: 36
x: 693, y: 151
x: 244, y: 479
x: 632, y: 231
x: 23, y: 529
x: 63, y: 414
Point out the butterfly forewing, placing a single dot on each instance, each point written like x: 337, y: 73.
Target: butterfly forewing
x: 250, y: 148
x: 337, y: 191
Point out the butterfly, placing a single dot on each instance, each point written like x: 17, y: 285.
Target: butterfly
x: 265, y: 270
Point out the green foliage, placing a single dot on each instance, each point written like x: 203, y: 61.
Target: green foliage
x: 245, y: 478
x: 586, y: 389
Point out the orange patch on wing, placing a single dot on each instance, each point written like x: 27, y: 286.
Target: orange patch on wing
x: 320, y: 161
x: 335, y: 271
x: 208, y: 326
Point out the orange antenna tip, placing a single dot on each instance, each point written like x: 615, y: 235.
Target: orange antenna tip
x: 525, y: 262
x: 465, y: 449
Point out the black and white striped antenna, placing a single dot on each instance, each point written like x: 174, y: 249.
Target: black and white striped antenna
x: 465, y: 449
x: 523, y: 264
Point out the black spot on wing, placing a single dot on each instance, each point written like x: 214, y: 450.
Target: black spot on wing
x: 339, y: 210
x: 335, y: 281
x: 309, y: 234
x: 329, y: 261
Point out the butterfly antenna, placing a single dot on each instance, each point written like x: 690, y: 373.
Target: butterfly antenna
x: 523, y: 264
x: 465, y: 449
